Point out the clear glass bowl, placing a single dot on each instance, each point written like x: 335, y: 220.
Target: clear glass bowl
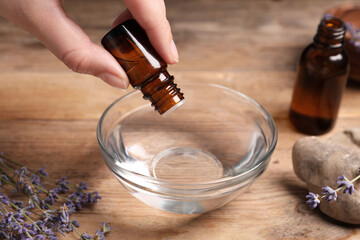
x: 195, y: 159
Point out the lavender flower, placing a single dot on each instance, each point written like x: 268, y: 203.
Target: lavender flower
x: 329, y: 193
x: 3, y: 178
x: 71, y: 206
x: 106, y: 227
x: 82, y: 186
x: 77, y: 199
x: 75, y: 223
x: 42, y: 172
x: 27, y: 188
x: 92, y: 197
x: 52, y: 195
x: 313, y: 200
x: 18, y: 203
x: 22, y: 172
x: 85, y: 236
x: 63, y: 185
x: 4, y: 199
x: 80, y: 199
x: 99, y: 235
x: 35, y: 179
x: 349, y: 187
x: 34, y: 199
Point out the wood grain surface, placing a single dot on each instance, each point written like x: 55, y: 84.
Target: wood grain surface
x: 48, y: 114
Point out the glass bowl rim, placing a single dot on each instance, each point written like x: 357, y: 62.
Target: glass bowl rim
x: 247, y: 174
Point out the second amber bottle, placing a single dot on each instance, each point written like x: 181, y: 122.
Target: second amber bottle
x: 321, y: 78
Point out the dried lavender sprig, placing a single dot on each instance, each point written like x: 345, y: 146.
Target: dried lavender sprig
x: 17, y: 222
x: 331, y: 194
x: 34, y: 185
x: 12, y: 183
x: 24, y: 214
x: 62, y: 187
x: 78, y: 197
x: 99, y: 234
x: 3, y: 172
x: 23, y: 227
x: 44, y: 176
x: 82, y: 186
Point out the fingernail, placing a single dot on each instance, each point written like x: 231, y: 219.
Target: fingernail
x: 114, y: 81
x: 174, y: 51
x: 121, y: 89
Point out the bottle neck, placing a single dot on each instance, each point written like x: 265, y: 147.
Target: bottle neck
x: 162, y: 92
x: 330, y: 35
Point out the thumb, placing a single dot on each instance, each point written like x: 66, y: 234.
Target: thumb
x: 69, y: 42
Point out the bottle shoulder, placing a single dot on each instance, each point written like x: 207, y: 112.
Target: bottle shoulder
x: 321, y: 61
x: 312, y: 51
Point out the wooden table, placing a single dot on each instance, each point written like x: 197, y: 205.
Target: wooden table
x: 48, y: 114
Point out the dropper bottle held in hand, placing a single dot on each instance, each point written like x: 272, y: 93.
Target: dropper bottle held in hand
x: 146, y: 70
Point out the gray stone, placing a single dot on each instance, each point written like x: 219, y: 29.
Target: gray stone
x: 318, y: 162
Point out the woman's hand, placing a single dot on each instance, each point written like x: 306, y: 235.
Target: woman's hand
x: 46, y: 20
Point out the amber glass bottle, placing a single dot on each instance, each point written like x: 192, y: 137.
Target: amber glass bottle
x: 146, y: 70
x: 321, y: 78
